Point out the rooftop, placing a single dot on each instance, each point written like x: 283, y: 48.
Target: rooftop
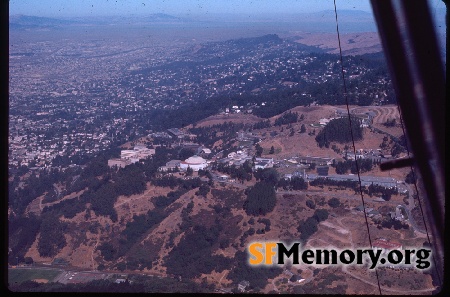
x: 194, y: 160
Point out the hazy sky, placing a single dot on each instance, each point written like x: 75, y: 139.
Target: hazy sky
x: 67, y: 8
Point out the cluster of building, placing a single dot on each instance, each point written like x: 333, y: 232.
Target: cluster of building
x: 304, y: 162
x: 36, y: 148
x: 128, y: 157
x: 195, y: 162
x: 370, y: 211
x: 313, y: 160
x: 198, y: 162
x: 397, y: 214
x: 248, y: 108
x: 179, y: 134
x: 201, y: 160
x: 386, y: 182
x: 376, y: 155
x: 263, y: 163
x: 366, y: 119
x: 236, y: 158
x: 322, y: 166
x: 73, y: 104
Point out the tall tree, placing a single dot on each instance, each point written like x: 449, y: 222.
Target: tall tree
x: 303, y: 128
x: 272, y: 150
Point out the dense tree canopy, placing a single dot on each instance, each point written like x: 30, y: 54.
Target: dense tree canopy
x: 410, y: 178
x: 309, y: 226
x: 339, y: 130
x: 22, y: 233
x: 334, y: 202
x: 342, y: 167
x: 138, y: 227
x: 287, y: 118
x: 268, y: 175
x: 51, y: 239
x: 256, y: 276
x: 193, y: 254
x: 261, y: 199
x: 298, y: 183
x: 310, y: 204
x: 262, y: 125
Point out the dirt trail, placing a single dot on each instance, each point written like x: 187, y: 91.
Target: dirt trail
x: 223, y: 274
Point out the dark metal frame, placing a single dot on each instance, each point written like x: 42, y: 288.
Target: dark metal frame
x: 410, y: 45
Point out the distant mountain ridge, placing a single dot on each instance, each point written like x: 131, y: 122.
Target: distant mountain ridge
x: 314, y: 19
x: 29, y: 22
x: 26, y: 21
x: 343, y: 15
x: 163, y: 16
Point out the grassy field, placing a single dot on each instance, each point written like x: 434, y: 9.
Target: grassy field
x: 19, y: 275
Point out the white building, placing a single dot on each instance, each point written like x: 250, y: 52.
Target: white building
x: 195, y: 163
x: 118, y: 162
x: 262, y: 163
x: 127, y: 154
x: 139, y: 152
x: 203, y: 150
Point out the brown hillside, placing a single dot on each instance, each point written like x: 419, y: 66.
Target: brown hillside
x: 351, y: 43
x: 86, y: 231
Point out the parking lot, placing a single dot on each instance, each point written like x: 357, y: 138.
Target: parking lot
x: 71, y: 277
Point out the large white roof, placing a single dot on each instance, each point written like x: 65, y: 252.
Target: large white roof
x: 194, y: 160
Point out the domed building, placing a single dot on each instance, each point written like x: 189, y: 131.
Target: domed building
x: 195, y: 162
